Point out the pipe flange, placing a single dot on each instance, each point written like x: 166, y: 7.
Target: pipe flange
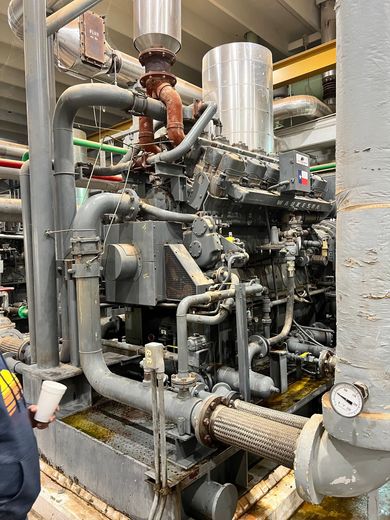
x: 184, y: 383
x: 157, y: 58
x: 305, y: 459
x: 155, y: 75
x: 202, y: 421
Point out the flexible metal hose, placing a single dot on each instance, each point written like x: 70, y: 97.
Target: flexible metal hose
x: 296, y: 421
x: 255, y: 434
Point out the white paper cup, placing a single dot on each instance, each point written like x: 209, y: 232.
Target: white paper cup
x: 49, y: 398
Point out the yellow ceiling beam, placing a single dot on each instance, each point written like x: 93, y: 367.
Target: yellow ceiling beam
x: 305, y: 64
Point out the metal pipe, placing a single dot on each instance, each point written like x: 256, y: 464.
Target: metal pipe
x: 260, y: 385
x: 192, y: 301
x: 10, y: 163
x: 11, y: 149
x: 90, y: 213
x: 128, y: 69
x: 204, y: 319
x: 255, y: 434
x: 67, y: 106
x: 44, y: 266
x: 299, y: 106
x: 289, y: 316
x: 164, y: 214
x: 9, y: 173
x: 10, y: 210
x: 134, y: 349
x: 11, y: 237
x: 105, y: 382
x: 68, y: 13
x: 189, y: 140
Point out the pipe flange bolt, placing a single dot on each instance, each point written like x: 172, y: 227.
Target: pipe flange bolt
x: 202, y: 421
x: 183, y: 383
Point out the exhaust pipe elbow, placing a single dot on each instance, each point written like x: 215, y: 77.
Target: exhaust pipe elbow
x: 326, y: 466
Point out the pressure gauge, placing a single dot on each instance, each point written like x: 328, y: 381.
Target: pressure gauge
x: 348, y: 399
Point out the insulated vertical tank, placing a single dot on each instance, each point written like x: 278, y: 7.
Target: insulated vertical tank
x: 238, y: 77
x: 157, y: 24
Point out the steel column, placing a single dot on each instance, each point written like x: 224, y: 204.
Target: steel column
x: 38, y: 117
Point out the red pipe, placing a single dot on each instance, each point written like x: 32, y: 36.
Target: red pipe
x: 172, y: 100
x: 112, y: 178
x: 10, y: 163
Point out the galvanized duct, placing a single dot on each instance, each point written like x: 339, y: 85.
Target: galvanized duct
x: 238, y: 77
x: 300, y: 106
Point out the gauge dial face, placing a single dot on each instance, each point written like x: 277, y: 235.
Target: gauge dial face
x: 346, y: 399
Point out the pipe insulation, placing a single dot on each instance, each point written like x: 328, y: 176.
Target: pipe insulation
x: 299, y: 106
x: 363, y: 221
x: 339, y: 456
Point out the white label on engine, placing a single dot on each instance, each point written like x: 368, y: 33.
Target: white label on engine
x: 302, y: 159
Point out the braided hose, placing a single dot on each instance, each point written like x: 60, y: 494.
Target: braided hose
x: 295, y: 421
x: 254, y: 434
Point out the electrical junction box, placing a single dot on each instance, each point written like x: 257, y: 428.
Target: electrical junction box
x: 294, y: 172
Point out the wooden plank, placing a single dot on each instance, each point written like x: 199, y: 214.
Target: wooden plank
x: 279, y: 503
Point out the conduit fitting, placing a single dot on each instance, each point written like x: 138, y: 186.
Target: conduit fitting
x: 326, y: 466
x: 213, y: 421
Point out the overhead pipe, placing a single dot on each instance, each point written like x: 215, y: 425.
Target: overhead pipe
x: 10, y: 163
x: 10, y: 210
x: 337, y: 455
x: 299, y: 106
x: 68, y: 13
x: 60, y: 14
x: 10, y: 149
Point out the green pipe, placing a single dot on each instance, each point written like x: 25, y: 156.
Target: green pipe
x: 23, y: 311
x: 320, y: 167
x: 90, y: 144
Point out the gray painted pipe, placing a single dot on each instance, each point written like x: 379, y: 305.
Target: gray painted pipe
x: 296, y: 346
x: 10, y: 210
x: 99, y: 376
x: 189, y: 140
x: 62, y: 13
x: 68, y: 13
x: 42, y: 219
x: 182, y: 312
x: 68, y: 104
x: 9, y: 173
x: 208, y: 320
x: 261, y: 386
x: 28, y: 255
x: 300, y: 106
x: 91, y: 212
x: 288, y: 320
x: 164, y: 214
